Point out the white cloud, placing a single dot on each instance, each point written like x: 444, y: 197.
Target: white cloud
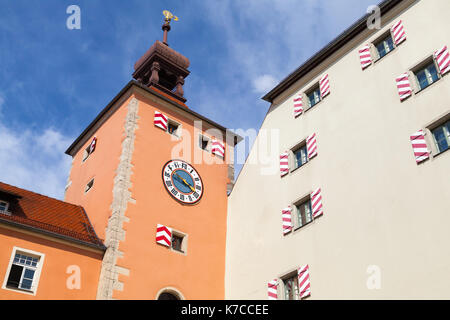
x: 264, y: 83
x: 34, y: 160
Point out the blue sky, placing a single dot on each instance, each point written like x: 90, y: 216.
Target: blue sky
x: 54, y: 81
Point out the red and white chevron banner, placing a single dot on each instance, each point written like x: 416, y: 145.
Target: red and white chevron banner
x: 365, y: 56
x: 311, y: 146
x: 284, y: 164
x: 218, y: 148
x: 286, y: 215
x: 442, y: 57
x: 403, y: 86
x: 93, y: 145
x: 160, y: 120
x: 298, y: 105
x: 163, y: 235
x: 304, y: 286
x: 272, y: 289
x: 399, y: 32
x: 419, y: 145
x: 316, y: 203
x: 324, y: 84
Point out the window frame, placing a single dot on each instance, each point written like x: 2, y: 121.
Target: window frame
x: 292, y: 161
x: 283, y: 278
x: 315, y: 87
x: 37, y: 270
x: 6, y: 208
x: 374, y: 53
x: 299, y: 147
x: 86, y: 153
x: 446, y: 129
x: 429, y: 136
x: 177, y: 132
x: 427, y: 60
x: 202, y: 138
x: 86, y: 190
x: 296, y: 204
x: 184, y: 242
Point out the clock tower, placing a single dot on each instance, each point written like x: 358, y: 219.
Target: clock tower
x: 153, y: 176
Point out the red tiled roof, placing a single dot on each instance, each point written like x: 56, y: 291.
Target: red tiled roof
x: 41, y: 213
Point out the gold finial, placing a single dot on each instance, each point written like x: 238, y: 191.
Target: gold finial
x: 169, y: 16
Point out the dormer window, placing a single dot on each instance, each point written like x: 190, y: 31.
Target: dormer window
x: 4, y: 207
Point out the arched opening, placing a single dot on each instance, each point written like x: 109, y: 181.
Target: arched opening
x: 169, y: 293
x: 167, y: 296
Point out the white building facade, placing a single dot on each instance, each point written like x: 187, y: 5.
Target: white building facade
x: 360, y: 205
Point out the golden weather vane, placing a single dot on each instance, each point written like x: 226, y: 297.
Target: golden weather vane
x: 169, y: 16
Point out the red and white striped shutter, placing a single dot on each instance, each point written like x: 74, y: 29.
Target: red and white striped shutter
x: 93, y: 145
x: 304, y: 285
x: 399, y: 32
x: 365, y: 56
x: 311, y: 146
x: 163, y: 235
x: 272, y: 289
x: 218, y: 148
x: 316, y: 203
x: 286, y: 215
x: 403, y: 86
x: 419, y: 146
x: 298, y: 105
x: 284, y: 164
x: 442, y: 57
x: 324, y: 84
x: 160, y: 120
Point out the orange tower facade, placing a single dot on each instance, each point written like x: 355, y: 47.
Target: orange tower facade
x: 153, y: 177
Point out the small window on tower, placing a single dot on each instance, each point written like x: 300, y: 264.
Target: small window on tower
x: 179, y: 242
x: 204, y: 142
x: 89, y: 186
x: 172, y: 128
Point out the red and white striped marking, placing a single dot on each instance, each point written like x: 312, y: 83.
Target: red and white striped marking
x: 324, y: 84
x: 399, y: 32
x: 272, y: 289
x: 218, y: 148
x: 298, y: 105
x: 419, y: 145
x: 93, y: 145
x: 316, y: 203
x: 284, y: 164
x: 403, y: 86
x: 311, y: 146
x: 286, y: 215
x: 304, y: 286
x: 163, y: 235
x: 160, y: 120
x: 365, y: 56
x: 443, y: 60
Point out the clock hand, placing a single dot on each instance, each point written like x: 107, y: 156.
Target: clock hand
x: 185, y: 182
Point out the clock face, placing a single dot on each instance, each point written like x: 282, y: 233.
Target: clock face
x: 182, y: 181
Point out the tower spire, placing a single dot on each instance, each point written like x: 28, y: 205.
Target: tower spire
x: 166, y: 26
x: 163, y: 68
